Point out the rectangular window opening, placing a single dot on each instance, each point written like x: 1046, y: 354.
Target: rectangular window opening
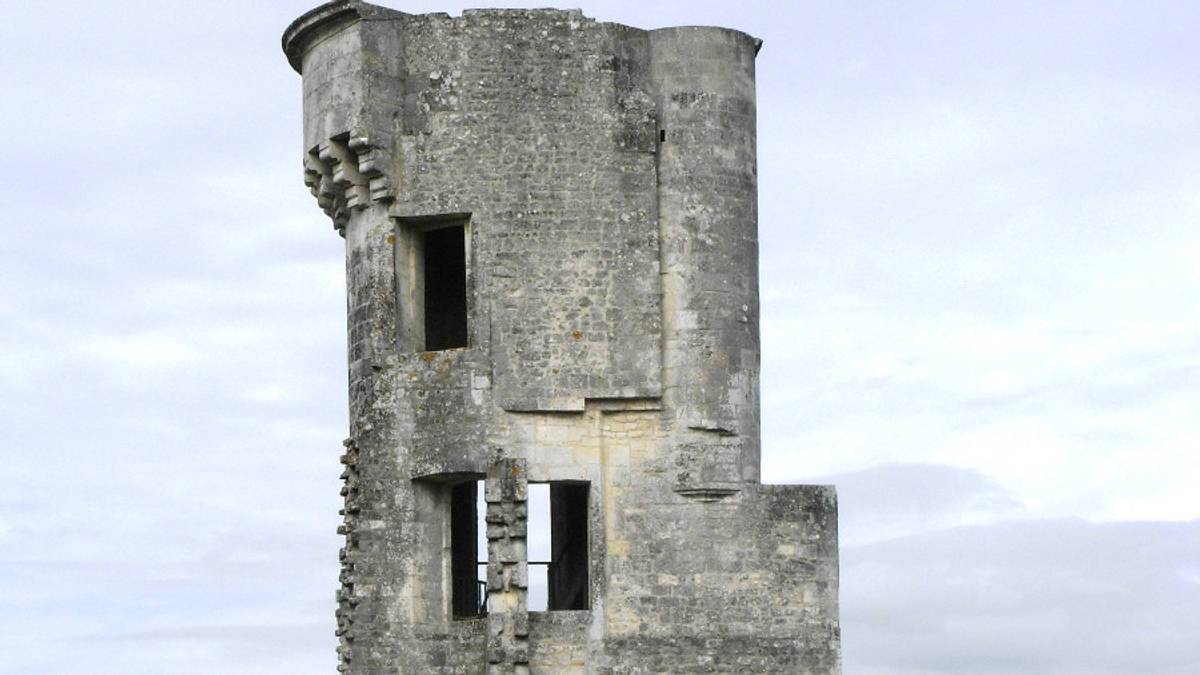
x: 445, y: 265
x: 558, y: 546
x: 432, y: 281
x: 468, y: 595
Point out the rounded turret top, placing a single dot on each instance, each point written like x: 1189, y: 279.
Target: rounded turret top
x: 326, y: 19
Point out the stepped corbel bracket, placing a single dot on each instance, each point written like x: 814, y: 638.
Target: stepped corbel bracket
x: 346, y: 174
x: 371, y: 161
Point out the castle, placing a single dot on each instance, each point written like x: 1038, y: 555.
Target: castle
x: 551, y: 260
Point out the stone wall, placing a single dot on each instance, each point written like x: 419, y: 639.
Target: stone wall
x: 604, y: 180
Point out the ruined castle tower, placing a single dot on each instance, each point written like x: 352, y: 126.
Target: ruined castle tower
x: 551, y: 260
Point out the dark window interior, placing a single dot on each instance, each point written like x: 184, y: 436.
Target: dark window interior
x: 567, y: 576
x: 445, y: 288
x: 464, y: 551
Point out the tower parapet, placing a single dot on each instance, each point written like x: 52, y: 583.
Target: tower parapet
x: 551, y: 250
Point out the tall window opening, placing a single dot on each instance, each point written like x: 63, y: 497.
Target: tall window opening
x: 468, y: 598
x: 432, y: 281
x: 568, y: 574
x: 445, y: 288
x: 558, y: 546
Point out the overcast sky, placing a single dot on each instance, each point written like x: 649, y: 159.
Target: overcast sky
x: 980, y: 283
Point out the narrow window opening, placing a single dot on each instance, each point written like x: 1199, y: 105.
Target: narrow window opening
x: 481, y: 546
x: 467, y: 597
x: 538, y: 545
x: 445, y: 265
x: 558, y: 546
x: 662, y: 135
x: 568, y: 577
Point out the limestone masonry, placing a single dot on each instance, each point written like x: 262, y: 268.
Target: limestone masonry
x: 551, y: 260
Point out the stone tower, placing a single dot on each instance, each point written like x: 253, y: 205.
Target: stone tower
x: 551, y: 261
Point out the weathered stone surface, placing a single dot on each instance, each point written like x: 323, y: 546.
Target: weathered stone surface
x: 603, y: 178
x: 506, y: 495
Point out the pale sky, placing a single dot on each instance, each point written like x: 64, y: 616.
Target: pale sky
x: 980, y: 283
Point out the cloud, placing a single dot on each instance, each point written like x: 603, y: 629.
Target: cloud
x: 984, y: 255
x: 184, y: 588
x: 1038, y: 596
x: 943, y: 572
x: 897, y: 500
